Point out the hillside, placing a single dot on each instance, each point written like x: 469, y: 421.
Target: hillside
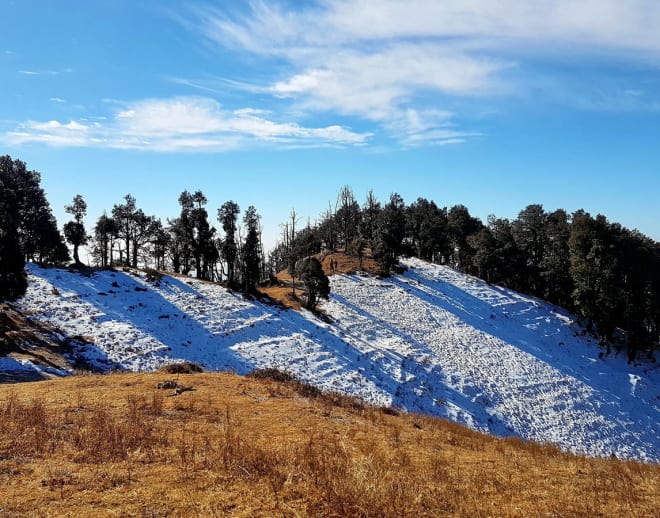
x: 431, y: 340
x: 117, y: 445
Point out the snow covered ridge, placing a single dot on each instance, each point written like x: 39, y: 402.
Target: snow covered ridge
x: 432, y: 340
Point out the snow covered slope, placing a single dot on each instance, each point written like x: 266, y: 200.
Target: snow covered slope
x: 431, y: 340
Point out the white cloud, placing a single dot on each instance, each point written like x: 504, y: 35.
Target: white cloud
x: 179, y: 124
x: 269, y: 28
x: 45, y: 72
x: 182, y: 116
x: 375, y: 59
x: 376, y: 84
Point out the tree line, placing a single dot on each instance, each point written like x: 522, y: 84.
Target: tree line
x: 188, y: 244
x: 605, y: 273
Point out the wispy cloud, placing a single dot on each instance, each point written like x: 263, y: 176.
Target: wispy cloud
x: 180, y: 124
x: 45, y: 72
x: 377, y: 59
x: 57, y: 100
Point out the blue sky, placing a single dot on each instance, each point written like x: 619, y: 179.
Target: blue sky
x: 494, y: 105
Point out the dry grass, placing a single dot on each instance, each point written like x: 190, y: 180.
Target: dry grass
x: 283, y: 294
x: 117, y: 446
x: 349, y: 264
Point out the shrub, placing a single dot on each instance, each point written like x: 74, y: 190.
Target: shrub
x: 182, y: 368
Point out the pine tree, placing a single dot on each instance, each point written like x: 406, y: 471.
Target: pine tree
x: 484, y: 258
x: 197, y: 235
x: 39, y: 238
x: 317, y: 284
x: 228, y: 218
x: 347, y: 215
x: 390, y: 233
x: 250, y: 252
x: 369, y: 221
x: 124, y: 217
x: 460, y: 225
x: 160, y: 240
x: 13, y: 280
x: 75, y: 230
x: 508, y: 260
x: 556, y: 262
x: 327, y: 229
x: 426, y: 230
x: 529, y: 233
x: 105, y: 231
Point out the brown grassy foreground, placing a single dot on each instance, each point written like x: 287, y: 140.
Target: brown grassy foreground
x: 118, y: 446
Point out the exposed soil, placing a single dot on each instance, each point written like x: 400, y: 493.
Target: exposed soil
x: 283, y: 292
x: 22, y: 337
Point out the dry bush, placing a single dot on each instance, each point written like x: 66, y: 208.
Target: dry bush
x: 182, y: 368
x: 271, y: 374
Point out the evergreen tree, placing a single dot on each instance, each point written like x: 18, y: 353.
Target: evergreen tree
x: 141, y: 236
x: 308, y: 241
x: 198, y: 234
x: 356, y: 248
x: 508, y: 260
x: 347, y: 215
x: 50, y: 247
x: 124, y: 217
x: 74, y: 231
x: 370, y: 215
x: 390, y: 233
x: 529, y: 233
x: 556, y: 262
x: 426, y: 230
x: 594, y: 271
x: 13, y: 280
x: 39, y: 238
x: 484, y: 257
x: 327, y: 229
x: 105, y: 232
x: 460, y: 225
x: 251, y: 252
x: 179, y: 249
x: 317, y: 284
x: 160, y: 240
x: 228, y: 218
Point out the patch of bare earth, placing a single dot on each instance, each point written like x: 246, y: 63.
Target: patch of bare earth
x: 282, y: 291
x: 24, y: 338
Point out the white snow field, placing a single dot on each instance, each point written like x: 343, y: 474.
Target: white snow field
x: 431, y: 340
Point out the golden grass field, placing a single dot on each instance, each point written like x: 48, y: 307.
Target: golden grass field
x: 116, y: 445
